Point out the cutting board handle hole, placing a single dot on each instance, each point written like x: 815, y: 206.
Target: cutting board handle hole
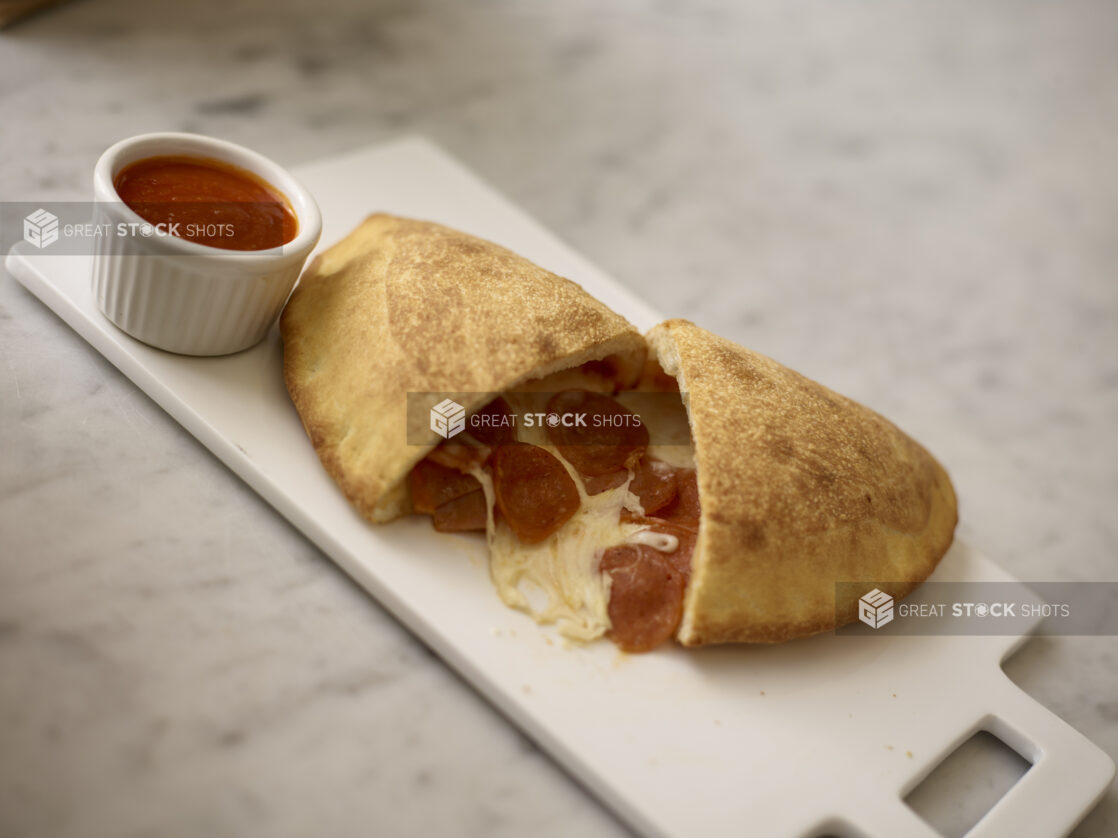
x: 980, y: 772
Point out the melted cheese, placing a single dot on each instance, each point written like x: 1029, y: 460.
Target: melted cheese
x: 558, y: 581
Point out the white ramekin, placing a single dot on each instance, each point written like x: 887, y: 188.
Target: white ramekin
x: 183, y: 296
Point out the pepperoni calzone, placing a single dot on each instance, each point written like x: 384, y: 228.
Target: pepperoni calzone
x: 707, y: 493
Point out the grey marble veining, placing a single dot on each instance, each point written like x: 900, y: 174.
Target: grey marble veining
x: 914, y: 204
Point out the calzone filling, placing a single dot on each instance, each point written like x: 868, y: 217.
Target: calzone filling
x: 590, y: 527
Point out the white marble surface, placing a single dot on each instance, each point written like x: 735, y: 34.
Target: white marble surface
x: 916, y: 206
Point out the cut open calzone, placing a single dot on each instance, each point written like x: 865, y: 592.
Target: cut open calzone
x: 677, y: 485
x: 402, y: 306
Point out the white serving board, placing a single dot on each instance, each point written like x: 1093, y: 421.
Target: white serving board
x: 809, y: 738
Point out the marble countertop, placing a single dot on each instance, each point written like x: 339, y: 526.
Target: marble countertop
x: 916, y: 206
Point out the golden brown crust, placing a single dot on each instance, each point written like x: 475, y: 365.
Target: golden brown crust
x: 800, y: 488
x: 403, y: 306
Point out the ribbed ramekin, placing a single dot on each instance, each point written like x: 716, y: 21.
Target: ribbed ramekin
x: 186, y: 297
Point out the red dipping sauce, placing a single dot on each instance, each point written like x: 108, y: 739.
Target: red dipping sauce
x: 207, y: 201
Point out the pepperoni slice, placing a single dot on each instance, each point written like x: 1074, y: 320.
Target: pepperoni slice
x: 654, y: 483
x: 534, y: 493
x: 462, y: 514
x: 684, y: 508
x: 494, y: 423
x: 433, y: 484
x: 681, y: 519
x: 646, y: 596
x: 680, y: 558
x: 609, y: 437
x: 604, y: 482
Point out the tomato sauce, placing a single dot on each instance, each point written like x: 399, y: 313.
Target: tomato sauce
x: 208, y: 202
